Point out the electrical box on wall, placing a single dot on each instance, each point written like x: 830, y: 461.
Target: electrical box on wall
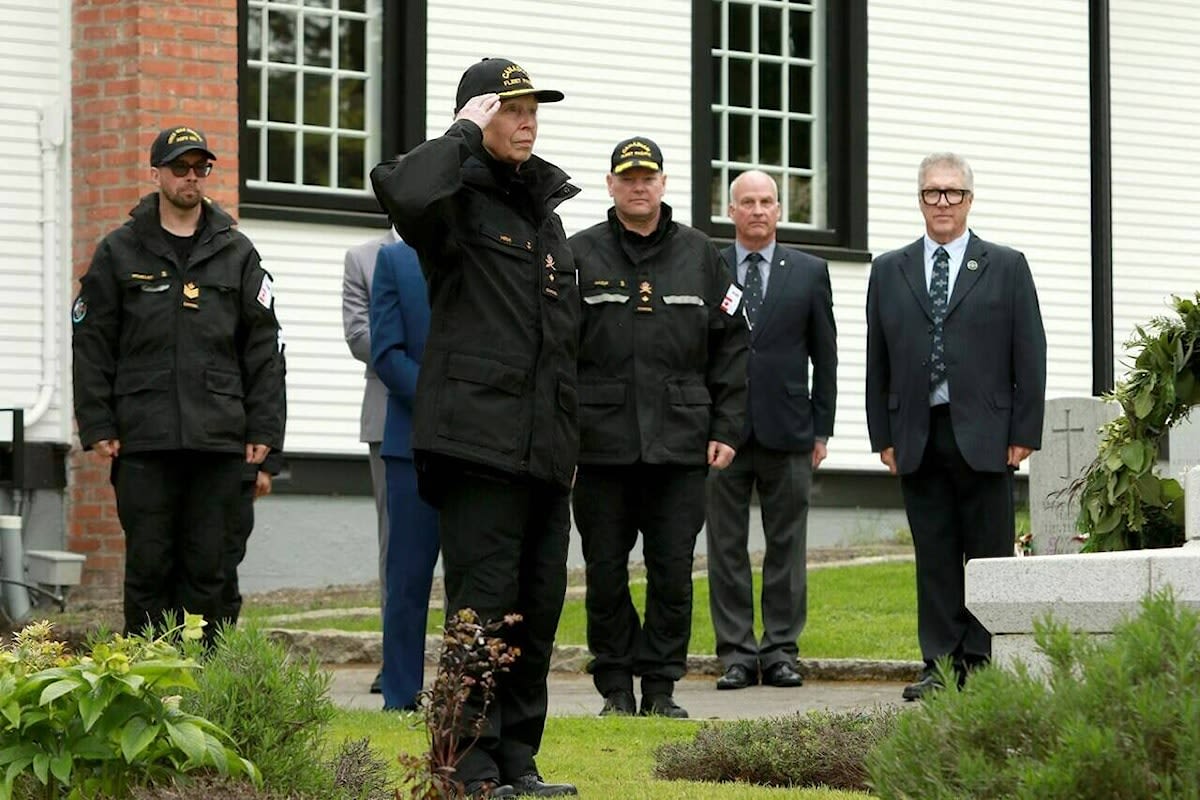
x: 28, y: 465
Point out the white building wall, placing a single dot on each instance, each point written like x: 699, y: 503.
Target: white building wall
x: 33, y: 77
x: 1156, y: 163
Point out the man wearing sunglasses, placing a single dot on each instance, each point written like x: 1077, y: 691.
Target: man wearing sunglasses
x: 956, y: 382
x: 179, y: 381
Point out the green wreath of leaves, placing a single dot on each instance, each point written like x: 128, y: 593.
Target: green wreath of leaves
x: 1124, y: 505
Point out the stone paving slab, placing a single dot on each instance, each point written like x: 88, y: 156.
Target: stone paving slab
x: 573, y: 695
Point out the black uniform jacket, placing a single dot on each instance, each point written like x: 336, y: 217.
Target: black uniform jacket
x: 177, y: 356
x: 497, y: 385
x: 662, y: 356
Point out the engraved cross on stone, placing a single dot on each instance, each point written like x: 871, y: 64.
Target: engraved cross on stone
x: 1068, y: 430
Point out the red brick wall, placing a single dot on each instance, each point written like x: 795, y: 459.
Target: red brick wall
x: 138, y: 66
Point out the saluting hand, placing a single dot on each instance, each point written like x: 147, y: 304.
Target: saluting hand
x: 480, y: 109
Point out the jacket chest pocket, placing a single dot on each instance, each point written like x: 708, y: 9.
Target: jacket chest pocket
x: 146, y: 297
x: 513, y: 243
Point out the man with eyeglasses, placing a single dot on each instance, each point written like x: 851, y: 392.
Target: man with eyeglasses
x: 956, y: 380
x: 179, y: 381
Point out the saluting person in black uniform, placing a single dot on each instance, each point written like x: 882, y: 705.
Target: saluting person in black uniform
x: 662, y: 393
x: 495, y: 423
x: 179, y: 379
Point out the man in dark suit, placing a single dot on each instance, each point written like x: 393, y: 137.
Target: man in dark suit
x: 788, y: 303
x: 356, y: 324
x: 956, y: 382
x: 399, y: 326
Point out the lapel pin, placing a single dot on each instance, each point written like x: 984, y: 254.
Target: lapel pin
x: 972, y: 265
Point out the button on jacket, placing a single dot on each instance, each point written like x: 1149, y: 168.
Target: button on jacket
x: 662, y: 361
x: 497, y: 385
x: 174, y: 356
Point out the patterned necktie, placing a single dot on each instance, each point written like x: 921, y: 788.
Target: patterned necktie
x: 754, y: 287
x: 939, y: 295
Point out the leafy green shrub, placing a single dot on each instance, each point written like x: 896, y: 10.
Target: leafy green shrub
x: 1113, y: 719
x: 814, y: 749
x: 275, y: 706
x: 104, y: 722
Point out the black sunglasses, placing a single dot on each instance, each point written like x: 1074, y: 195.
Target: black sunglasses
x: 181, y: 168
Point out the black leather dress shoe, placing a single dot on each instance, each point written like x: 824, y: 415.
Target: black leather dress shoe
x: 377, y: 684
x: 661, y: 705
x: 737, y: 677
x: 532, y: 785
x: 475, y: 790
x: 928, y: 684
x: 782, y: 674
x: 619, y: 703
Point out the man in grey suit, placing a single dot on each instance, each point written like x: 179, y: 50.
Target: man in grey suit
x: 956, y: 383
x: 356, y: 323
x: 788, y: 303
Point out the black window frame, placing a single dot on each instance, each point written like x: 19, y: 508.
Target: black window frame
x: 845, y: 237
x: 403, y: 122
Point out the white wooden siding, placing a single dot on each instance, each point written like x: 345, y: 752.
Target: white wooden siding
x: 325, y: 383
x: 1156, y: 164
x: 33, y: 59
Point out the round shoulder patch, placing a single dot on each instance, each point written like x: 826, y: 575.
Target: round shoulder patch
x: 79, y: 310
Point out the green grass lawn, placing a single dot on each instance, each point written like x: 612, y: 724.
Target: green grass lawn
x: 854, y: 611
x: 605, y: 758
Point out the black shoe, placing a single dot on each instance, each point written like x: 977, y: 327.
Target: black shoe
x: 532, y: 785
x: 377, y: 684
x: 661, y: 705
x: 928, y: 684
x: 619, y: 703
x: 782, y: 674
x: 737, y: 677
x: 488, y: 788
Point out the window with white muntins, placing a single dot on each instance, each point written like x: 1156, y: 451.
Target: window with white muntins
x: 768, y: 104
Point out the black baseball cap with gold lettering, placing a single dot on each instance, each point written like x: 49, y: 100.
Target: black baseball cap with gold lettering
x: 502, y: 77
x: 636, y: 152
x: 171, y: 143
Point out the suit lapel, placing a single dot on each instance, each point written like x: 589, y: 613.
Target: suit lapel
x: 912, y: 266
x: 968, y: 276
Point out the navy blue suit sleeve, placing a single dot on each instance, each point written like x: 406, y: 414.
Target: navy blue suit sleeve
x: 878, y: 368
x: 822, y: 351
x: 389, y: 352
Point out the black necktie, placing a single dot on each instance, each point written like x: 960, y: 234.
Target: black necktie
x: 939, y: 294
x: 754, y: 287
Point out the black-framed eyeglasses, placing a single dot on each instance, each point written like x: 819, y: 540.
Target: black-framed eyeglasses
x: 181, y: 168
x: 931, y: 197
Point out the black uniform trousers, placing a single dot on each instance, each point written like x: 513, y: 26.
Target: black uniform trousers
x: 955, y: 514
x: 783, y: 481
x: 504, y: 550
x: 235, y: 551
x: 612, y: 504
x: 179, y: 508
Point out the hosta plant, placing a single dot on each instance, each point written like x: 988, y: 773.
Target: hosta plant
x: 95, y: 725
